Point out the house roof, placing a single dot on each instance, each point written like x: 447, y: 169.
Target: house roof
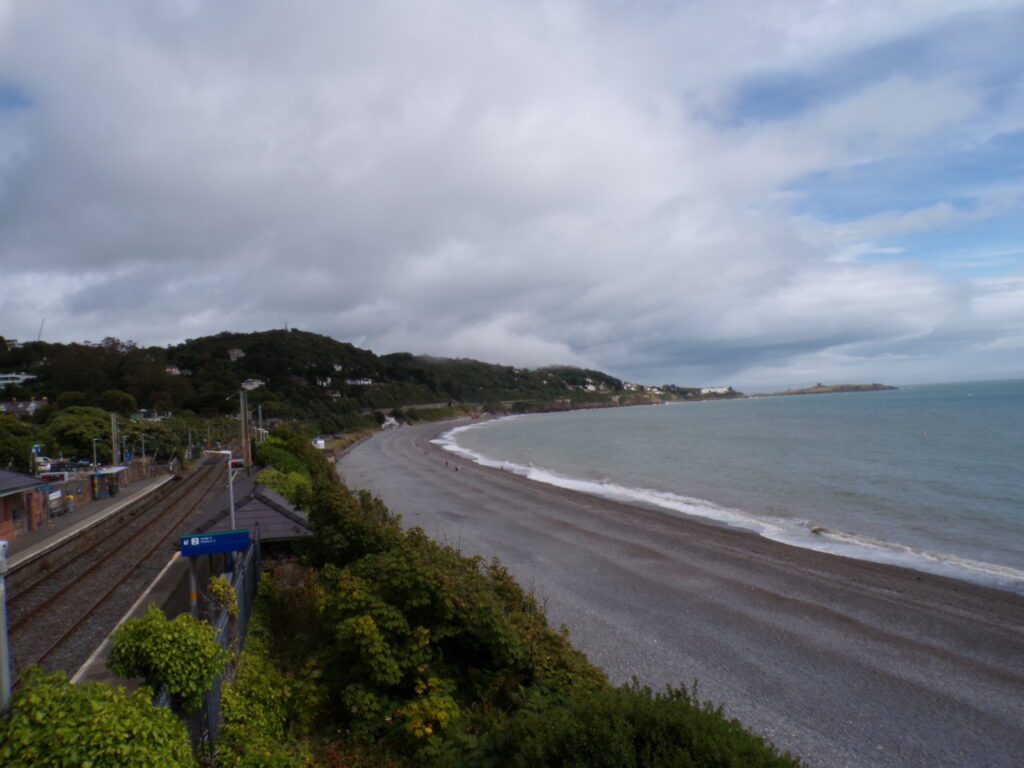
x: 16, y: 482
x: 275, y: 517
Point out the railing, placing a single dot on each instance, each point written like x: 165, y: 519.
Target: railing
x: 231, y: 634
x: 204, y: 723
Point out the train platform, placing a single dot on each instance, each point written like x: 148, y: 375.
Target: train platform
x: 169, y: 590
x: 34, y: 544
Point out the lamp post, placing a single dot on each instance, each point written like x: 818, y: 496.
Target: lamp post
x: 231, y: 486
x: 144, y: 473
x: 95, y: 464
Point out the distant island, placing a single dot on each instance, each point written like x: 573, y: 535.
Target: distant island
x: 823, y: 389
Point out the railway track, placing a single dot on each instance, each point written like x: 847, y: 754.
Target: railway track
x: 58, y: 619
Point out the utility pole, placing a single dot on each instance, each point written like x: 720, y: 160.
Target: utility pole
x: 113, y: 439
x: 144, y: 473
x: 244, y: 417
x: 259, y: 435
x: 190, y: 443
x: 5, y: 653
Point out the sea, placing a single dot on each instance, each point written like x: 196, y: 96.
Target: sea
x: 927, y: 477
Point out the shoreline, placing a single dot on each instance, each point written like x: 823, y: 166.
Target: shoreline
x: 811, y: 537
x: 843, y: 661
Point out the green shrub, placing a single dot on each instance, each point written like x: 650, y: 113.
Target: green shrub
x: 180, y: 655
x: 296, y: 487
x: 223, y: 596
x: 275, y: 453
x: 440, y: 659
x: 54, y: 723
x: 626, y: 727
x: 264, y: 712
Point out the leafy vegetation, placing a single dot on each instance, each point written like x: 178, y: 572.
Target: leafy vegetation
x: 434, y: 658
x: 267, y: 715
x: 306, y: 376
x: 69, y: 431
x: 180, y: 655
x: 54, y: 723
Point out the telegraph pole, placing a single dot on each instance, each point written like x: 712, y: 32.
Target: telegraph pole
x: 113, y: 440
x: 244, y: 418
x: 5, y: 654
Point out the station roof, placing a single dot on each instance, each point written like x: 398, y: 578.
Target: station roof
x: 274, y: 515
x: 17, y: 482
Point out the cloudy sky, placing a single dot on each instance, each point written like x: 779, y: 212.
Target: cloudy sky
x: 754, y: 193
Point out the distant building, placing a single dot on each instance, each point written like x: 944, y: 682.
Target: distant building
x: 146, y: 414
x: 338, y: 368
x: 7, y: 379
x: 235, y: 354
x: 172, y: 370
x: 334, y: 394
x: 22, y: 409
x: 250, y: 384
x: 12, y: 343
x: 359, y: 382
x: 323, y: 381
x: 716, y: 390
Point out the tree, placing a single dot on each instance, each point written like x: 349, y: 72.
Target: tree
x: 119, y: 402
x: 72, y: 430
x: 55, y: 723
x: 16, y: 440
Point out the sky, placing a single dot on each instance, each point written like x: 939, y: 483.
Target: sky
x: 757, y: 194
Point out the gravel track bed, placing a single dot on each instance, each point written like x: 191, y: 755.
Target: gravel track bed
x: 23, y: 602
x: 126, y: 570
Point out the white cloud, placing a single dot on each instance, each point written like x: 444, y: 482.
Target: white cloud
x: 527, y: 182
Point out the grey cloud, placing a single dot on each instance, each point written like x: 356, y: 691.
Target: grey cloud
x: 524, y: 182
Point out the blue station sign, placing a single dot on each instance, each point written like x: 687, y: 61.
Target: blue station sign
x: 194, y: 544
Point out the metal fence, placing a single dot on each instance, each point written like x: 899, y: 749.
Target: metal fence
x: 231, y: 634
x: 204, y: 723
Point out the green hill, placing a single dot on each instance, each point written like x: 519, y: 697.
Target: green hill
x: 305, y: 375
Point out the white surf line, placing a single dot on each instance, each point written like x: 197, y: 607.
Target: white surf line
x: 106, y: 641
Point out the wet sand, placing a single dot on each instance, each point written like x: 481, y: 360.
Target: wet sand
x: 843, y: 662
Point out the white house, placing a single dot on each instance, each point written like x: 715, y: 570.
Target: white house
x: 716, y: 390
x: 7, y: 379
x: 359, y: 382
x: 250, y: 384
x: 234, y: 354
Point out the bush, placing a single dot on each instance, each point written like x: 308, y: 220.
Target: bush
x: 54, y: 723
x: 180, y: 655
x: 443, y: 659
x: 294, y: 486
x: 274, y: 453
x: 263, y: 711
x: 627, y: 727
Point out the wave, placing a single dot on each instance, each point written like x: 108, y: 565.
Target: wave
x: 795, y: 532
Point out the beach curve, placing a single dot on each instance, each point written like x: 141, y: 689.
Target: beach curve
x: 844, y: 662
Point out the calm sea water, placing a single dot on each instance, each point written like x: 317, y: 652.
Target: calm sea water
x: 930, y: 477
